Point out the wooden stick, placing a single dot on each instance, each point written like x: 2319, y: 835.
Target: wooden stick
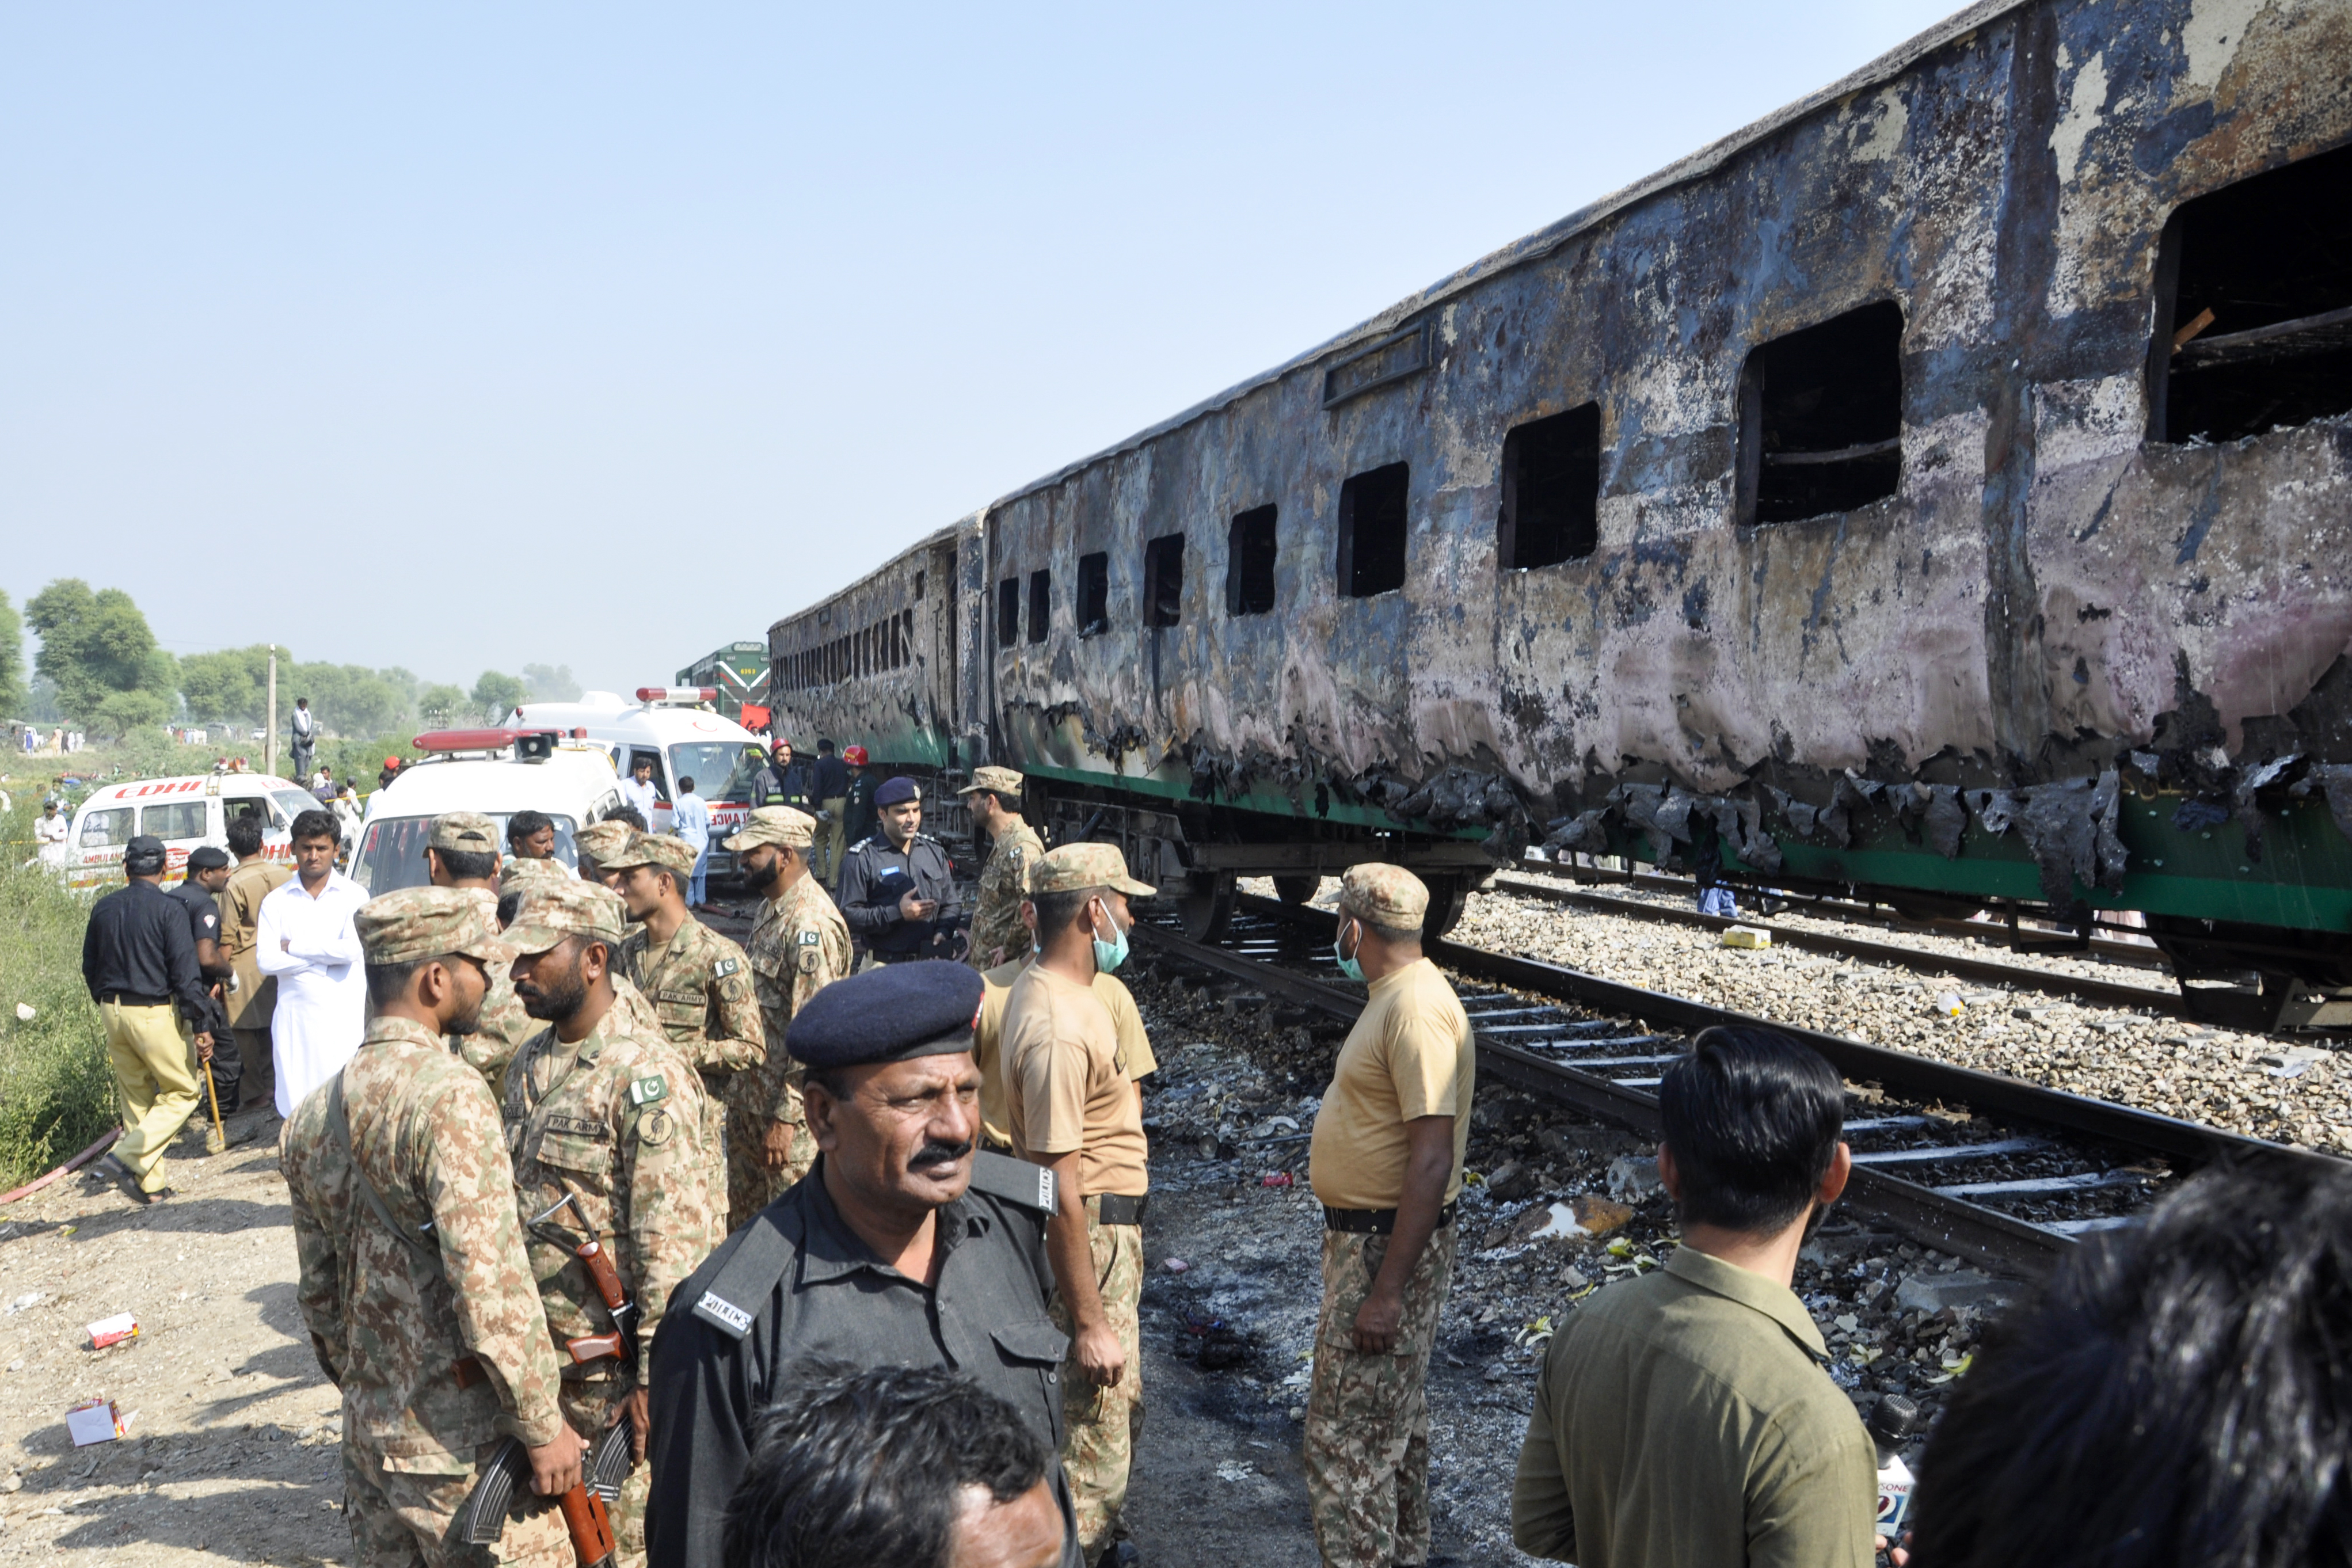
x: 211, y: 1089
x: 76, y: 1163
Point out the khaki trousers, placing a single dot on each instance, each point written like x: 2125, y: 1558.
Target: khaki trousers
x: 830, y: 836
x: 159, y: 1092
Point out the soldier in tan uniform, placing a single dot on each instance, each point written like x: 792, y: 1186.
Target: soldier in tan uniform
x: 698, y: 981
x: 252, y: 996
x: 598, y: 844
x: 1070, y: 1107
x: 517, y: 874
x: 993, y: 798
x: 414, y: 1284
x: 1134, y: 1057
x: 799, y: 945
x: 609, y: 1113
x: 461, y: 851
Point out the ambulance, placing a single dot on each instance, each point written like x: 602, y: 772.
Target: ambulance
x: 185, y: 813
x: 495, y: 772
x: 666, y: 724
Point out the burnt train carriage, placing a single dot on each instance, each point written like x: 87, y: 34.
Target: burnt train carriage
x: 1941, y: 488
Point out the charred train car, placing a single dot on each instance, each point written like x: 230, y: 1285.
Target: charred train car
x: 1942, y: 488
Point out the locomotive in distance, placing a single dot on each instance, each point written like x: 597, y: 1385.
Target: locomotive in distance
x: 1941, y: 489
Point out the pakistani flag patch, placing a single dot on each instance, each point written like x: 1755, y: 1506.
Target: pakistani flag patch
x: 725, y: 967
x: 647, y: 1090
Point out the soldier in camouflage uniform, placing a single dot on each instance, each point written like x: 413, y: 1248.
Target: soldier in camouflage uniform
x: 698, y: 981
x: 799, y: 945
x: 598, y: 845
x: 461, y: 851
x: 993, y: 798
x: 415, y: 1283
x: 517, y: 875
x: 611, y: 1113
x: 1386, y: 1164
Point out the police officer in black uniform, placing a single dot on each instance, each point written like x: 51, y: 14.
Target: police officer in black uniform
x: 140, y: 965
x: 208, y: 868
x: 782, y: 781
x: 897, y: 892
x: 903, y: 1245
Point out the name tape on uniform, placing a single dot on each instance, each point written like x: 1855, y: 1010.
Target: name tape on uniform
x: 724, y: 1313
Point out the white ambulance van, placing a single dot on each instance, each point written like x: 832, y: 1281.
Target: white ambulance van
x: 185, y: 813
x: 684, y: 742
x: 495, y: 772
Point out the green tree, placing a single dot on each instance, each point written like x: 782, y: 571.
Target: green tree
x: 440, y: 703
x: 550, y: 684
x: 230, y: 686
x: 494, y: 694
x: 11, y: 662
x: 96, y: 645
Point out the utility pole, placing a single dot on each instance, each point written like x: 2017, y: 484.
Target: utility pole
x: 270, y: 746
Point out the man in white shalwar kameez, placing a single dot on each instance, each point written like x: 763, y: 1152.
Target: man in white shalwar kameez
x: 305, y: 937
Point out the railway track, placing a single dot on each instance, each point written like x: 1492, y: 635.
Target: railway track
x: 1990, y: 1168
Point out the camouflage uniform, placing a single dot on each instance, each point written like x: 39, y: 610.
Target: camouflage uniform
x: 1100, y: 1424
x: 392, y: 1316
x: 1367, y: 1447
x: 616, y: 1120
x: 997, y: 934
x: 700, y: 987
x: 596, y: 845
x: 502, y: 1031
x: 799, y: 945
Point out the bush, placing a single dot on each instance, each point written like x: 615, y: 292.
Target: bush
x: 57, y: 1089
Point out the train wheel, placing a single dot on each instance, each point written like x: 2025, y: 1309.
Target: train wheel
x: 1298, y: 890
x: 1206, y: 907
x: 1448, y: 897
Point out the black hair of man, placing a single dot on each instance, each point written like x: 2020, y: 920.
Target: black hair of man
x: 632, y: 815
x: 2178, y: 1393
x: 1057, y: 913
x: 856, y: 1466
x: 468, y: 865
x: 1753, y: 1118
x: 318, y: 824
x: 509, y: 906
x: 824, y: 747
x: 684, y: 786
x: 523, y: 823
x: 245, y: 834
x: 386, y: 983
x: 1011, y: 803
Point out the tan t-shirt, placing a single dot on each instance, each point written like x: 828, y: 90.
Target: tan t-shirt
x: 1135, y: 1057
x: 1063, y: 1087
x: 1409, y: 1056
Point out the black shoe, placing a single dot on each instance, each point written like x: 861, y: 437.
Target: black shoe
x: 158, y: 1196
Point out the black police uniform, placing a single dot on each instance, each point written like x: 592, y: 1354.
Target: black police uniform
x: 876, y: 875
x: 137, y: 951
x: 797, y: 1282
x: 788, y: 785
x: 859, y: 819
x: 203, y: 925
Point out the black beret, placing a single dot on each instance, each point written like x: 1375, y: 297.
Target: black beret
x: 207, y: 857
x: 893, y: 1014
x: 894, y: 791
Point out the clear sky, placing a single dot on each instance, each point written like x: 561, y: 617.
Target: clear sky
x: 463, y: 337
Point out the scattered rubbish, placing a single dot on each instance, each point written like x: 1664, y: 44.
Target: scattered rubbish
x: 1932, y: 1293
x: 1175, y: 1266
x: 97, y: 1420
x: 1749, y: 937
x: 119, y: 1329
x: 1633, y: 1177
x: 2290, y: 1061
x: 1573, y: 1277
x: 25, y: 1302
x: 1274, y: 1179
x: 26, y: 1012
x: 1235, y: 1470
x: 1510, y: 1182
x: 1950, y: 1005
x: 1536, y: 1332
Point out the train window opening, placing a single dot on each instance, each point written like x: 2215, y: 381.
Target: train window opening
x: 1249, y: 563
x: 1821, y: 417
x: 1163, y: 580
x: 2255, y: 305
x: 1551, y: 490
x: 1372, y: 530
x: 918, y: 586
x: 1008, y: 611
x: 1094, y: 594
x: 1041, y: 604
x: 906, y: 638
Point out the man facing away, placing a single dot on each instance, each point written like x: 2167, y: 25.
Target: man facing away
x: 993, y: 798
x: 461, y: 853
x: 1070, y: 1108
x: 305, y: 939
x: 1685, y: 1416
x: 252, y: 995
x: 857, y: 818
x: 139, y: 963
x: 414, y: 1284
x: 799, y: 946
x: 199, y: 894
x: 829, y: 788
x: 689, y: 819
x: 1386, y: 1164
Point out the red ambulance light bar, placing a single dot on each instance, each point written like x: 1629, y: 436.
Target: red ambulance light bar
x: 677, y: 694
x: 483, y: 740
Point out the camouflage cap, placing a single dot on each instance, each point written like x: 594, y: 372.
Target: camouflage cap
x: 1074, y: 866
x: 997, y: 781
x: 524, y: 873
x: 464, y: 833
x: 1384, y: 895
x: 655, y: 849
x: 605, y: 840
x: 784, y: 825
x: 410, y: 924
x: 552, y: 911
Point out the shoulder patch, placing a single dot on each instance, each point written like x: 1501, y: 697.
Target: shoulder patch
x: 654, y: 1129
x: 723, y: 1314
x: 811, y: 938
x: 1015, y: 1181
x: 724, y: 967
x: 648, y: 1090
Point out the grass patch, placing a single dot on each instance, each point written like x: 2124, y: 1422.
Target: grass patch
x: 56, y: 1089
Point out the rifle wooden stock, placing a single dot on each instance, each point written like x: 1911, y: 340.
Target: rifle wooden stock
x: 607, y: 1277
x: 597, y: 1347
x: 590, y: 1527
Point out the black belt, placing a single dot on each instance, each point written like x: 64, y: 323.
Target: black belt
x: 1374, y: 1222
x: 134, y: 999
x: 1118, y: 1208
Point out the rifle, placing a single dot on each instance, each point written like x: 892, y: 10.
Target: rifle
x: 484, y: 1517
x: 621, y: 1343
